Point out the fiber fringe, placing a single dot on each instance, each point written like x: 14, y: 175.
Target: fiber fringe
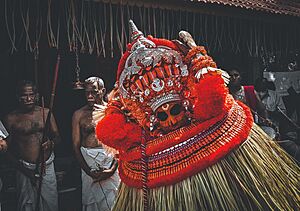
x: 259, y: 175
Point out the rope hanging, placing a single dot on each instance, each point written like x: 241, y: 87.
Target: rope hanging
x: 100, y: 28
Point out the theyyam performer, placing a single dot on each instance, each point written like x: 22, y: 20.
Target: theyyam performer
x: 184, y: 143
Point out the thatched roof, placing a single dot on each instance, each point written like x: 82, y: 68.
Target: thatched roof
x: 286, y: 7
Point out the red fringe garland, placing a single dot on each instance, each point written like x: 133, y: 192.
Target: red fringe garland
x: 191, y: 54
x: 209, y: 95
x: 115, y: 132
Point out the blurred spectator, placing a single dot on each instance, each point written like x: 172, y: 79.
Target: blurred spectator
x: 246, y: 94
x: 271, y: 100
x: 292, y: 102
x: 277, y: 113
x: 271, y: 85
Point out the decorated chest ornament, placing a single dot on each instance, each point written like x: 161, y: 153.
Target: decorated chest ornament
x: 170, y: 105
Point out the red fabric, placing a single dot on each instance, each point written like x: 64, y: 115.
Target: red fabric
x: 250, y: 97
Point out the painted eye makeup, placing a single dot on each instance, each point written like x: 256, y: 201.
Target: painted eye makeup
x: 162, y: 116
x: 176, y: 109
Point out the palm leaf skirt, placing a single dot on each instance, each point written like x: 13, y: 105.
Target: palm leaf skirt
x: 259, y: 175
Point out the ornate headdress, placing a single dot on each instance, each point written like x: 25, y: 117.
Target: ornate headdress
x: 150, y: 74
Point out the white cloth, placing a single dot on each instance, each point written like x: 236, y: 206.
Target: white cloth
x: 3, y: 131
x: 27, y: 193
x: 101, y: 195
x: 273, y: 103
x: 272, y: 100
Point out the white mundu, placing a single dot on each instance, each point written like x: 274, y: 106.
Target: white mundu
x: 27, y: 193
x: 99, y: 195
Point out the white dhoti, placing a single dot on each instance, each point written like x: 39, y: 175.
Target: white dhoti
x: 100, y: 195
x: 27, y: 193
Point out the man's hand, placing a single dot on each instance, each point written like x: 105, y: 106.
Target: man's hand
x: 48, y: 145
x: 3, y: 145
x: 101, y: 175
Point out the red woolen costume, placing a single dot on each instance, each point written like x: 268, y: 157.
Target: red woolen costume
x: 183, y: 142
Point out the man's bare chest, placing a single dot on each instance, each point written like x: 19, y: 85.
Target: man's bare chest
x: 27, y: 125
x: 86, y: 123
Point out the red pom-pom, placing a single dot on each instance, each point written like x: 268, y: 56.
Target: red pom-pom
x: 115, y: 132
x: 209, y: 97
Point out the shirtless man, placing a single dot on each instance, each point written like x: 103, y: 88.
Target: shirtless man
x: 100, y: 179
x: 25, y: 125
